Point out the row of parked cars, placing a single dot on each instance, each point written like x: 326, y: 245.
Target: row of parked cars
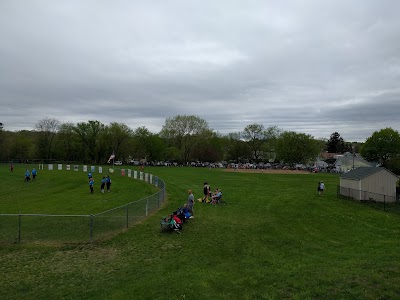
x: 223, y: 164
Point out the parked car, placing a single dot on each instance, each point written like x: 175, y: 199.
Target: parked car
x: 118, y: 163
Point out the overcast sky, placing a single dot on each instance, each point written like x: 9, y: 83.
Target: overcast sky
x: 314, y: 67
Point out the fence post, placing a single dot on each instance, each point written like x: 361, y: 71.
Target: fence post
x: 91, y: 228
x: 384, y: 202
x: 127, y: 216
x: 19, y: 227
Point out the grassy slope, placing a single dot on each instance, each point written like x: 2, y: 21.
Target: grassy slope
x: 275, y: 239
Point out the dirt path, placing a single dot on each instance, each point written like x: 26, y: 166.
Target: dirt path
x: 267, y: 171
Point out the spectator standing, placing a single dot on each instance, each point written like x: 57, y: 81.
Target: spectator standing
x: 190, y: 203
x: 206, y: 191
x: 11, y: 168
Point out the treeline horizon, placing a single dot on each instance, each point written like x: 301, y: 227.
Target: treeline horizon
x: 183, y: 138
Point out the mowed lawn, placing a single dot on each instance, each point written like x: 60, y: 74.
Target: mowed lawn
x: 66, y: 192
x: 275, y: 239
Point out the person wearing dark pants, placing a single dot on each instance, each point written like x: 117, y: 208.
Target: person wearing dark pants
x: 108, y: 183
x: 91, y: 183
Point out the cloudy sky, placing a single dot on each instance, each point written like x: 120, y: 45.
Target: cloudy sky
x: 308, y: 66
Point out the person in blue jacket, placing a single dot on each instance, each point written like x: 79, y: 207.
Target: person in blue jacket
x: 27, y: 175
x: 34, y: 174
x: 103, y: 182
x: 91, y: 183
x: 108, y: 183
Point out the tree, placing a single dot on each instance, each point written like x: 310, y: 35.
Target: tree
x: 184, y: 132
x: 260, y: 140
x: 293, y: 147
x: 147, y: 144
x: 68, y: 143
x: 47, y: 129
x: 335, y: 144
x: 92, y: 135
x: 117, y: 135
x: 236, y: 149
x: 256, y: 136
x: 210, y: 149
x: 382, y: 146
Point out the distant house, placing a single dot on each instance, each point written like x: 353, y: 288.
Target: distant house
x: 369, y: 183
x: 349, y: 161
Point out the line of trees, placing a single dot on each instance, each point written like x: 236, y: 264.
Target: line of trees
x: 183, y: 138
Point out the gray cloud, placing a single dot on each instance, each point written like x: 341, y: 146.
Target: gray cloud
x: 309, y: 66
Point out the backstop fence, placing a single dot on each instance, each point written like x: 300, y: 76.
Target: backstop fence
x: 80, y: 228
x: 380, y: 201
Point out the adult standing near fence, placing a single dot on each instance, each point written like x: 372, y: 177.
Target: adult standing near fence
x: 321, y: 188
x: 190, y: 203
x: 108, y: 183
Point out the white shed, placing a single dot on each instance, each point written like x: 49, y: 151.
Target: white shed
x: 369, y: 183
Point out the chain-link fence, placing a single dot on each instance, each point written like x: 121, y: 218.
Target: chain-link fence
x: 79, y: 228
x: 380, y: 201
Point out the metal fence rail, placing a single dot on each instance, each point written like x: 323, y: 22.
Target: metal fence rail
x: 381, y: 201
x: 79, y: 228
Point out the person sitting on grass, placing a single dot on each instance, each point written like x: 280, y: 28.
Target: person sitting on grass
x: 216, y: 196
x: 186, y: 212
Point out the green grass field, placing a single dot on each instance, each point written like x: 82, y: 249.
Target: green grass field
x: 275, y: 239
x: 66, y: 192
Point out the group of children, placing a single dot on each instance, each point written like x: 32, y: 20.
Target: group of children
x: 28, y: 174
x: 209, y: 197
x: 105, y: 182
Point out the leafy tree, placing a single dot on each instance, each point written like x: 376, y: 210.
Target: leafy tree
x: 260, y: 140
x: 68, y: 143
x: 3, y: 144
x: 210, y: 149
x: 184, y: 132
x: 147, y: 145
x: 91, y: 137
x: 293, y: 147
x: 237, y: 150
x: 47, y: 129
x: 382, y: 146
x: 117, y: 134
x: 23, y: 145
x: 336, y: 144
x: 256, y: 136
